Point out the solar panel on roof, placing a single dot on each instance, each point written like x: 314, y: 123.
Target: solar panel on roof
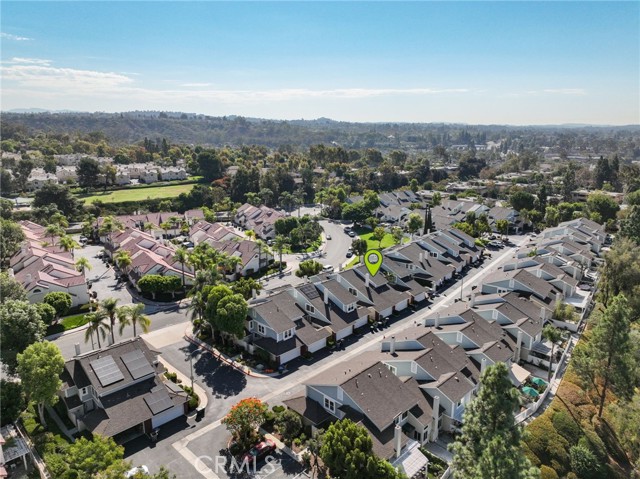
x: 310, y: 291
x: 107, y: 370
x: 137, y: 364
x: 159, y: 401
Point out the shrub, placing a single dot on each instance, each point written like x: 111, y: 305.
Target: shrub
x: 173, y: 377
x: 584, y: 463
x: 289, y: 424
x: 278, y: 409
x: 566, y: 426
x: 47, y: 313
x: 547, y: 473
x: 60, y: 301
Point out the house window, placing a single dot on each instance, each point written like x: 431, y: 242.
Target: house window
x: 401, y: 417
x: 288, y: 334
x: 432, y: 254
x: 353, y: 291
x: 329, y: 404
x: 392, y: 368
x: 350, y: 307
x: 250, y: 326
x: 261, y: 329
x: 414, y: 367
x: 309, y: 308
x: 459, y: 337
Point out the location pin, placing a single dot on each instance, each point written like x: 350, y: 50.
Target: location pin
x: 373, y: 261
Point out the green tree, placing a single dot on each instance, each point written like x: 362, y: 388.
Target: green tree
x: 308, y: 267
x: 553, y: 335
x: 11, y: 235
x: 88, y: 171
x: 83, y: 265
x: 359, y: 246
x: 60, y: 196
x: 378, y: 234
x: 97, y: 323
x: 397, y: 234
x: 522, y: 200
x: 39, y: 368
x: 502, y: 227
x: 109, y: 306
x: 289, y: 424
x: 607, y: 356
x: 569, y: 181
x: 584, y: 463
x: 210, y: 165
x: 245, y: 287
x: 10, y: 288
x: 630, y: 226
x: 231, y: 313
x: 88, y: 458
x: 181, y: 256
x: 551, y: 216
x: 280, y: 244
x: 490, y: 442
x: 436, y: 199
x: 123, y: 260
x: 20, y: 326
x: 414, y: 223
x: 60, y: 301
x: 52, y: 231
x: 133, y: 315
x: 620, y: 274
x: 243, y: 420
x: 12, y: 401
x: 602, y: 205
x: 47, y: 313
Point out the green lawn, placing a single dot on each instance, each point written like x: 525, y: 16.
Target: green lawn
x: 353, y: 262
x: 365, y: 234
x: 70, y: 322
x: 137, y: 194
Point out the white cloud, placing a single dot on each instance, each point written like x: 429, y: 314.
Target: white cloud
x: 15, y: 38
x: 566, y: 91
x: 195, y: 85
x: 29, y: 61
x: 63, y: 80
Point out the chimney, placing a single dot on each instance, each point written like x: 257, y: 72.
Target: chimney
x: 326, y: 295
x: 254, y: 294
x: 559, y: 297
x: 518, y: 346
x: 437, y: 320
x: 421, y: 256
x: 397, y: 436
x: 366, y: 280
x: 392, y: 345
x: 11, y: 273
x: 434, y: 418
x: 24, y: 247
x: 28, y: 279
x: 483, y: 365
x: 77, y: 345
x: 543, y: 313
x: 473, y: 300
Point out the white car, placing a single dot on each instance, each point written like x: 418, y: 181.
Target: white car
x: 328, y: 237
x: 327, y: 268
x: 132, y: 472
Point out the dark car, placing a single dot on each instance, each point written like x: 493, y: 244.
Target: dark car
x: 352, y: 233
x: 259, y: 451
x: 349, y: 254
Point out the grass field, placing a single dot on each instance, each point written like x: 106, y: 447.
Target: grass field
x: 365, y: 234
x: 137, y: 194
x: 65, y: 324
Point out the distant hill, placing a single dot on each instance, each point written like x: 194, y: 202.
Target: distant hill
x: 192, y: 128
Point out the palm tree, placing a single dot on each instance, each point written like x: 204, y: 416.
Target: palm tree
x: 123, y: 260
x: 181, y: 256
x: 83, y: 264
x: 232, y: 262
x: 133, y: 315
x: 59, y: 219
x: 96, y: 325
x: 197, y: 307
x: 554, y: 335
x: 261, y: 244
x: 53, y: 230
x: 68, y: 244
x: 109, y: 226
x: 280, y: 243
x: 110, y: 308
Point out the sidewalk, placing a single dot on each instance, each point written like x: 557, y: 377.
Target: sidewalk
x: 224, y: 358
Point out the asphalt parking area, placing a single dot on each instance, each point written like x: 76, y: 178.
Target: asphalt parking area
x: 277, y: 466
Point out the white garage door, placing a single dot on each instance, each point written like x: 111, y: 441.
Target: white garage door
x: 318, y: 345
x: 166, y: 416
x: 402, y: 305
x: 289, y: 355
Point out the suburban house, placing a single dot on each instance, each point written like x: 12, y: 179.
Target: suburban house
x: 43, y: 267
x: 205, y: 232
x: 512, y: 216
x: 38, y: 178
x: 118, y: 391
x: 423, y: 264
x: 260, y: 219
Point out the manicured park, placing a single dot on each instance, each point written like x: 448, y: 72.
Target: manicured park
x: 137, y: 193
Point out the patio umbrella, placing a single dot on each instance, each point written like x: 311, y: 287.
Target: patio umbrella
x: 538, y: 381
x: 529, y: 391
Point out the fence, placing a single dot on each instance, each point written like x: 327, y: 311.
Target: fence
x: 37, y: 460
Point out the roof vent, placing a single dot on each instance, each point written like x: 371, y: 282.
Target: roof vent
x: 369, y: 375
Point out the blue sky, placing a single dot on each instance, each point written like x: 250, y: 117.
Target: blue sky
x: 471, y: 62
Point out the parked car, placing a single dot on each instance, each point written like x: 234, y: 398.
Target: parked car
x: 584, y: 287
x: 347, y: 229
x: 328, y: 237
x: 327, y: 268
x: 132, y: 472
x: 352, y: 234
x: 259, y: 451
x: 349, y: 254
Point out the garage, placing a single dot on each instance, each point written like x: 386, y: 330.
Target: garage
x: 289, y: 355
x: 166, y: 416
x: 402, y: 305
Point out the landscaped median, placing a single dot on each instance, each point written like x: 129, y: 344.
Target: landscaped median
x: 68, y: 323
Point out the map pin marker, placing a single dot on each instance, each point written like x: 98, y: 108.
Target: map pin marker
x: 373, y: 261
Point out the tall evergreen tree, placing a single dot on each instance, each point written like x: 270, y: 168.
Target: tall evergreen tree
x: 608, y: 355
x: 490, y: 443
